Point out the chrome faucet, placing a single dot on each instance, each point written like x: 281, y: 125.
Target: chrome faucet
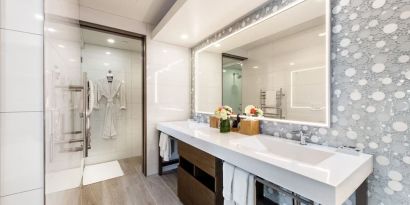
x: 303, y: 136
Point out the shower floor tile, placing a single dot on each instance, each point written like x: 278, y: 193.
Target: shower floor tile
x: 100, y: 172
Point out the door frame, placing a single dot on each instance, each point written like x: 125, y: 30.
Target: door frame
x: 143, y: 38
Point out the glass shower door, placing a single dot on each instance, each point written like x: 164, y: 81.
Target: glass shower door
x: 232, y: 83
x: 64, y: 103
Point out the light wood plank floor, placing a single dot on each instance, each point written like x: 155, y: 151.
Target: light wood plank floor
x: 131, y: 189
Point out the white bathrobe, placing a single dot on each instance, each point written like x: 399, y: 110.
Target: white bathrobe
x: 114, y: 93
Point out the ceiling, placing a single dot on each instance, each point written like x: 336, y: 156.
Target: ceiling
x: 190, y: 21
x: 100, y: 39
x: 301, y: 16
x: 147, y: 11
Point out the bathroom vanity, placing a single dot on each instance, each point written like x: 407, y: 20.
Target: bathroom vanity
x: 319, y: 173
x: 199, y: 176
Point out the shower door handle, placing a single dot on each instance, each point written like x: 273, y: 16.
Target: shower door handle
x: 84, y: 115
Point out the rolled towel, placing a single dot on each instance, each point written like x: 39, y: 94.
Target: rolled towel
x: 228, y: 171
x: 240, y: 186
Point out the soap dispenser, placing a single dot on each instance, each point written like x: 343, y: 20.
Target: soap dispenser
x: 235, y: 124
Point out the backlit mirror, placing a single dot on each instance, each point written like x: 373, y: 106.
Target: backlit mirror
x: 279, y: 64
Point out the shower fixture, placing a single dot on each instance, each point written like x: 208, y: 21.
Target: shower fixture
x: 239, y: 76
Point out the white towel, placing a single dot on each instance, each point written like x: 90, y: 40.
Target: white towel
x: 164, y: 146
x: 228, y: 171
x: 251, y: 190
x: 228, y: 202
x: 240, y: 186
x: 91, y: 98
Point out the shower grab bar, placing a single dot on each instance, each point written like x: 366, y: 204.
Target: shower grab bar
x: 74, y: 149
x: 73, y: 132
x: 72, y: 87
x: 86, y: 141
x: 69, y: 141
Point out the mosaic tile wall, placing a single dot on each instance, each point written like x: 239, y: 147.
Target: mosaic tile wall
x: 370, y: 55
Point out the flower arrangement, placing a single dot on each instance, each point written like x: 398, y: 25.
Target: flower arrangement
x: 223, y: 112
x: 252, y: 110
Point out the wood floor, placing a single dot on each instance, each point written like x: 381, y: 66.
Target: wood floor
x: 131, y: 189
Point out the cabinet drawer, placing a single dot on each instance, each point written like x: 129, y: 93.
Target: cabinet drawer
x: 199, y: 158
x: 192, y: 192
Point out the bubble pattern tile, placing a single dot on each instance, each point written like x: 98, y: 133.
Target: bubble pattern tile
x: 370, y: 63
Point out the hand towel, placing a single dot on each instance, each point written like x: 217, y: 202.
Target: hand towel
x: 228, y: 202
x: 164, y: 146
x: 228, y: 171
x: 240, y: 186
x: 251, y: 190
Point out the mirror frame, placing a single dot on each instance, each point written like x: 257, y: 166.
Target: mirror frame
x: 197, y: 49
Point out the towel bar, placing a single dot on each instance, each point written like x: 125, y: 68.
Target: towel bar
x: 297, y: 199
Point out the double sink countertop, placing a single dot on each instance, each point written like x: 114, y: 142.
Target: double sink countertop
x: 320, y: 173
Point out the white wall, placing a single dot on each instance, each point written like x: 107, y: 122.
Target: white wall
x: 208, y: 81
x: 273, y: 61
x: 126, y: 66
x: 168, y: 81
x: 21, y: 102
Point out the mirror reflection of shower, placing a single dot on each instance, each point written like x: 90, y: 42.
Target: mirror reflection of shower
x: 232, y: 82
x: 237, y: 75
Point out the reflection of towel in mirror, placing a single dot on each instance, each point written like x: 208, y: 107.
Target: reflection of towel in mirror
x: 164, y: 146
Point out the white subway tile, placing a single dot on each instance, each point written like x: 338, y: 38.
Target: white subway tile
x: 21, y: 151
x: 22, y: 15
x: 21, y: 72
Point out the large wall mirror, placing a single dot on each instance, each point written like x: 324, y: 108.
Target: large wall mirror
x: 280, y: 64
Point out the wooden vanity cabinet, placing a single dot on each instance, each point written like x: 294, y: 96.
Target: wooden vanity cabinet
x: 199, y: 177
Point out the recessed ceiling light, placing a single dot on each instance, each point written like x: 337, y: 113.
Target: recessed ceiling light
x: 39, y: 16
x: 184, y: 36
x: 255, y: 67
x: 61, y: 46
x: 51, y: 30
x: 71, y: 60
x: 164, y: 51
x: 106, y: 64
x: 108, y: 53
x: 292, y: 63
x: 321, y: 34
x: 217, y: 45
x: 110, y: 40
x: 224, y: 70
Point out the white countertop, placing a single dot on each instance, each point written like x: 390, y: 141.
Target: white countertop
x: 329, y: 180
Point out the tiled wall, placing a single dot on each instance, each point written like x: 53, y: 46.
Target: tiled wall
x: 370, y: 49
x: 21, y: 102
x: 126, y: 66
x: 167, y: 91
x: 167, y: 78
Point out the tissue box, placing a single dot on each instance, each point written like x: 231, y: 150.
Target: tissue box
x: 213, y: 122
x: 249, y: 127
